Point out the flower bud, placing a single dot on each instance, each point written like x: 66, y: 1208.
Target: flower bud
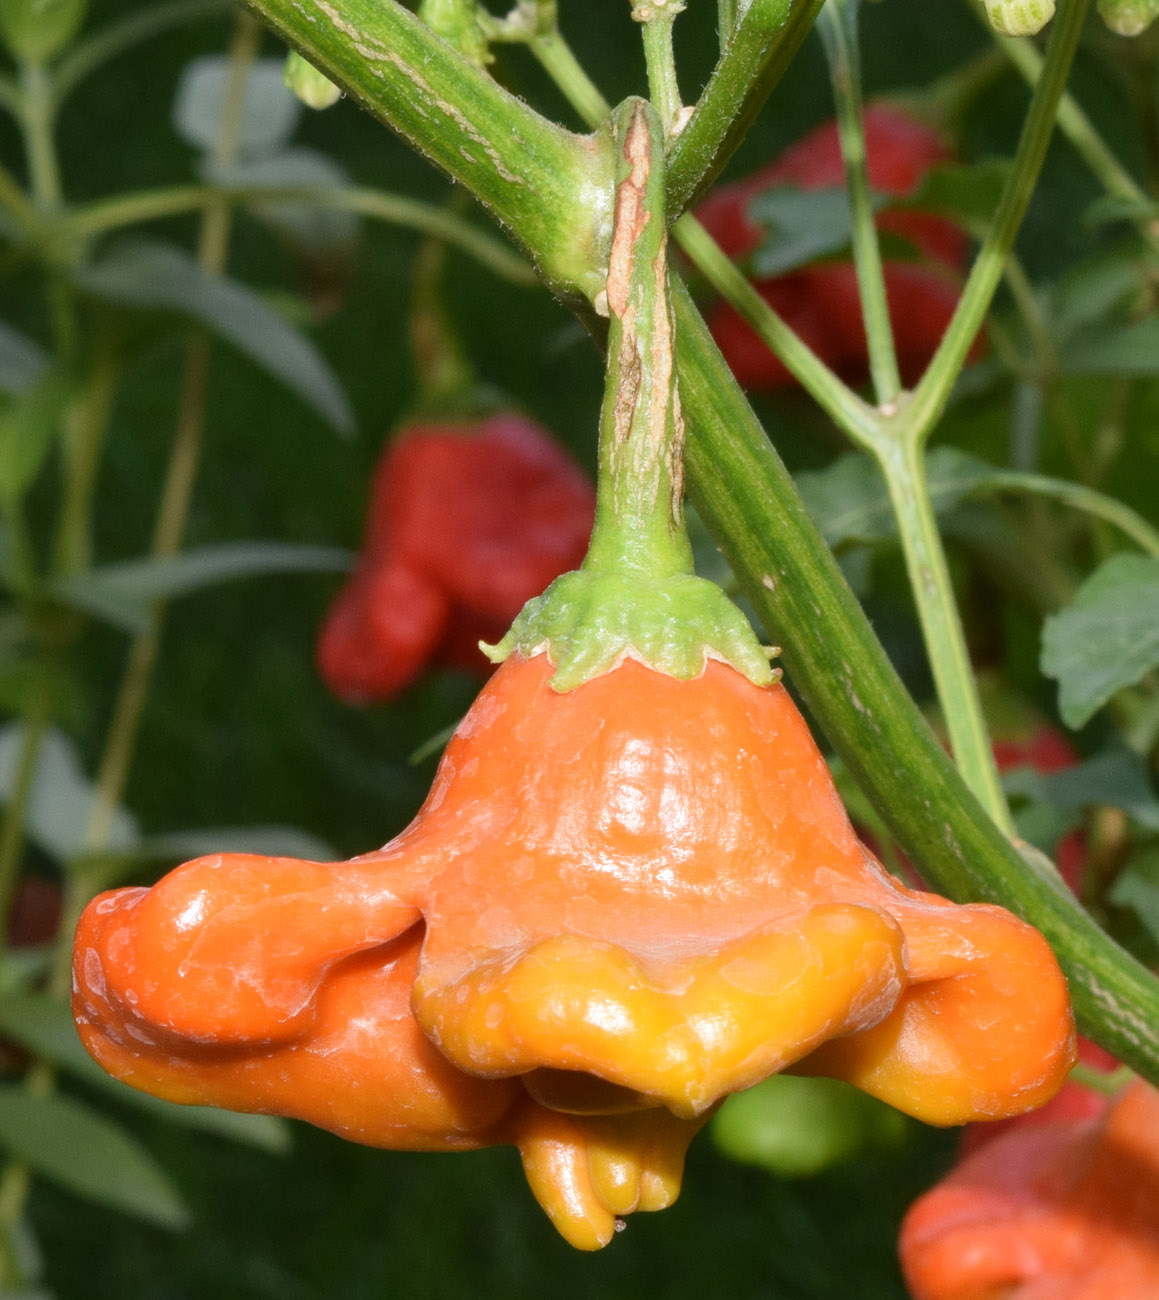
x: 312, y: 87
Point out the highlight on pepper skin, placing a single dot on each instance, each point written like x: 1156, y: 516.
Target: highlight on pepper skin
x: 618, y: 905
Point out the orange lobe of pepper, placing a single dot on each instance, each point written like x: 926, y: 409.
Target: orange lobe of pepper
x: 618, y: 904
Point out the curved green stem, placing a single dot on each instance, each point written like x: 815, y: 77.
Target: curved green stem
x: 932, y: 393
x: 413, y: 214
x: 838, y: 27
x: 747, y: 497
x: 560, y: 63
x: 903, y: 464
x: 755, y: 55
x: 657, y: 17
x: 119, y: 37
x: 1128, y: 521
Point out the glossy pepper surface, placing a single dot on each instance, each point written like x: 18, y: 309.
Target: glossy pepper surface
x: 467, y: 521
x: 821, y: 302
x: 618, y: 904
x: 1064, y: 1210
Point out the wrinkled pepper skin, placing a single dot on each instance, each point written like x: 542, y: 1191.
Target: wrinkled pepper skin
x: 617, y: 905
x: 1067, y: 1210
x: 467, y: 522
x: 821, y: 302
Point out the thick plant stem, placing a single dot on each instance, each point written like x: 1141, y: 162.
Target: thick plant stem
x: 838, y: 27
x: 549, y: 188
x: 640, y: 514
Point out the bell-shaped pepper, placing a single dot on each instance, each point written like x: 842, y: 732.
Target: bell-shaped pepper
x: 821, y: 302
x: 467, y: 522
x: 639, y: 894
x: 1067, y: 1210
x: 631, y: 891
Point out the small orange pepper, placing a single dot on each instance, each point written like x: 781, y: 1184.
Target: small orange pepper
x: 618, y: 904
x: 1065, y: 1210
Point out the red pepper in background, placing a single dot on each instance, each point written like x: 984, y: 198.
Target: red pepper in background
x: 1063, y: 1210
x: 821, y: 303
x: 467, y: 522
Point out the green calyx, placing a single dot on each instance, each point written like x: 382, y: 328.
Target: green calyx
x: 636, y: 595
x: 589, y: 622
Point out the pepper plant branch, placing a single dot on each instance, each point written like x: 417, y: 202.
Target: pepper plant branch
x: 148, y: 205
x: 838, y: 28
x: 749, y: 500
x: 551, y: 189
x: 755, y: 55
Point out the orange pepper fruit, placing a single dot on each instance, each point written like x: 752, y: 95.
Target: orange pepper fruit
x: 1067, y: 1210
x: 617, y: 905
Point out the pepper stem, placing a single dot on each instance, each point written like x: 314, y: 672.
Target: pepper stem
x: 640, y: 515
x: 636, y: 595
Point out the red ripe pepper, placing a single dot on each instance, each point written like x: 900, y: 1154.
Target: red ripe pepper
x: 1066, y: 1210
x: 821, y: 303
x: 467, y: 522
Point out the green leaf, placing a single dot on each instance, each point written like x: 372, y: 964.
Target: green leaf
x: 269, y: 113
x: 1106, y: 639
x: 21, y: 360
x: 1096, y: 288
x: 1109, y: 208
x: 968, y: 195
x: 44, y: 1025
x: 309, y: 226
x: 158, y: 277
x: 1115, y: 778
x: 1131, y: 349
x: 61, y: 798
x: 800, y: 225
x: 124, y: 594
x: 90, y: 1155
x: 1137, y: 887
x: 850, y: 504
x: 29, y: 424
